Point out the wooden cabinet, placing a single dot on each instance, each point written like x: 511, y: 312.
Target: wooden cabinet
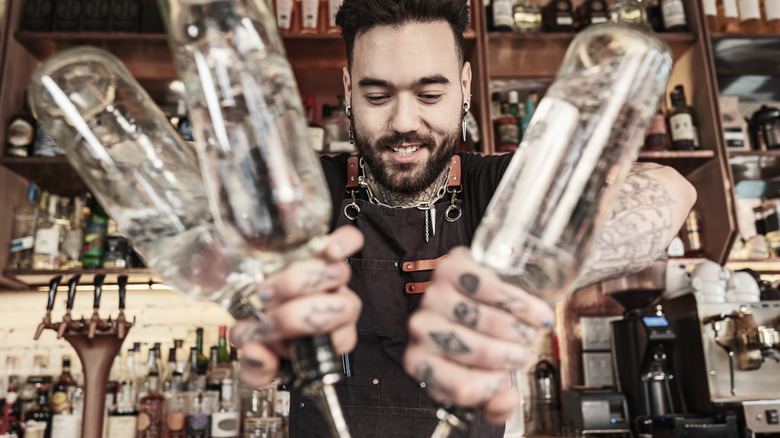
x: 318, y: 61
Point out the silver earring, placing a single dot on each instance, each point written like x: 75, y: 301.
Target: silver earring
x: 351, y: 128
x: 466, y: 106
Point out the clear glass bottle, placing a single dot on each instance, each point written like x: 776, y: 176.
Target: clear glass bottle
x: 226, y: 421
x: 73, y: 240
x: 540, y: 221
x: 673, y: 12
x: 48, y: 237
x: 23, y: 236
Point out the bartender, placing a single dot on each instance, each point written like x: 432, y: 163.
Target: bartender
x: 420, y: 329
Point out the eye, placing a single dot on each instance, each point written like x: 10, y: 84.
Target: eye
x: 377, y: 99
x: 430, y: 97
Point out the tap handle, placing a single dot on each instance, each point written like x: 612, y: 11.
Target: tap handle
x: 98, y: 282
x: 72, y: 283
x: 122, y: 282
x: 53, y: 285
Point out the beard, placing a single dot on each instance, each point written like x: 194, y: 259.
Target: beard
x: 407, y: 178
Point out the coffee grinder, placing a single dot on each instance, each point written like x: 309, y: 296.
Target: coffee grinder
x: 643, y: 345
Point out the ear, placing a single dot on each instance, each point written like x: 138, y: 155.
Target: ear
x: 347, y: 79
x: 465, y: 80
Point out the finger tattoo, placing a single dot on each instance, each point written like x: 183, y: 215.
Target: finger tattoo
x: 467, y: 314
x: 315, y: 278
x: 469, y: 283
x: 318, y: 316
x: 253, y: 334
x: 449, y: 342
x: 424, y: 373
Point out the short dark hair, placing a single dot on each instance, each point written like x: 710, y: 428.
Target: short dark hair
x: 355, y: 16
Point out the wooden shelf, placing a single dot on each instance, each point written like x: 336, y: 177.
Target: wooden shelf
x: 761, y: 266
x: 31, y: 279
x: 54, y: 174
x: 684, y: 161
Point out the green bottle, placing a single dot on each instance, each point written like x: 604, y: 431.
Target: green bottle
x: 95, y: 237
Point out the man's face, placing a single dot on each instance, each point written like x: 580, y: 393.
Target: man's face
x: 407, y: 92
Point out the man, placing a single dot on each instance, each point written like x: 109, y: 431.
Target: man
x: 407, y: 90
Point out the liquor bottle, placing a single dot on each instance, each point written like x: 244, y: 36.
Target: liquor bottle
x: 63, y: 390
x: 503, y: 15
x: 558, y: 16
x: 127, y: 15
x: 710, y: 10
x: 40, y: 416
x: 283, y: 404
x: 333, y: 8
x: 526, y: 17
x: 198, y: 421
x: 183, y: 125
x: 750, y: 16
x: 673, y: 12
x: 20, y: 133
x: 680, y: 123
x: 772, y: 15
x: 657, y: 139
x: 316, y: 132
x: 150, y: 406
x: 203, y: 361
x: 215, y: 373
x: 68, y: 15
x: 226, y: 421
x: 728, y: 16
x: 286, y: 16
x: 175, y: 419
x: 654, y: 15
x: 97, y: 15
x: 530, y: 108
x: 684, y: 102
x: 23, y: 236
x: 181, y: 357
x: 495, y: 105
x: 123, y: 418
x: 11, y: 425
x: 631, y: 12
x: 223, y: 355
x: 337, y: 129
x: 507, y: 132
x: 309, y: 16
x: 48, y: 238
x: 592, y: 12
x: 152, y: 368
x: 196, y: 379
x: 513, y: 98
x: 173, y: 382
x: 38, y: 15
x: 691, y: 235
x: 94, y: 236
x: 73, y: 240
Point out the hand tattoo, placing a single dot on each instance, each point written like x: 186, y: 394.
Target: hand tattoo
x: 318, y: 316
x: 467, y: 314
x: 469, y: 283
x: 313, y: 279
x: 424, y: 373
x: 254, y: 334
x: 449, y: 343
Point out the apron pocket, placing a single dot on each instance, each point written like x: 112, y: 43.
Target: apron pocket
x: 361, y: 391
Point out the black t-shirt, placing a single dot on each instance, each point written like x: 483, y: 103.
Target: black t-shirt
x: 480, y: 175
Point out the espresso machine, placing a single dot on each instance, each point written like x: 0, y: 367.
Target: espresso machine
x: 647, y: 363
x: 732, y: 361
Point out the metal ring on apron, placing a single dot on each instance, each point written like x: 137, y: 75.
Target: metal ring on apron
x: 452, y: 213
x: 350, y: 207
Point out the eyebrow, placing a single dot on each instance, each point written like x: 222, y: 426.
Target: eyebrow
x: 426, y: 80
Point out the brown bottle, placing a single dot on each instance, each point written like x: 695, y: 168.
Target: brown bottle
x: 681, y: 129
x: 657, y: 138
x: 63, y: 390
x: 692, y: 234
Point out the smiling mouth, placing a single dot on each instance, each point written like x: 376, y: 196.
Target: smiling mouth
x: 406, y: 150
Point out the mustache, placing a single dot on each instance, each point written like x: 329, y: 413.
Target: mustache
x: 397, y: 139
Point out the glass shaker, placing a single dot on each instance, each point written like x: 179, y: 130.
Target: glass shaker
x: 578, y: 148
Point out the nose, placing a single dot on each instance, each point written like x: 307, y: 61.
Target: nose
x: 405, y: 117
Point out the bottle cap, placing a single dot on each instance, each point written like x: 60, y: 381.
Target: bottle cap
x: 514, y: 97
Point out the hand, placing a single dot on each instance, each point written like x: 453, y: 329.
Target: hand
x: 307, y: 297
x: 471, y: 332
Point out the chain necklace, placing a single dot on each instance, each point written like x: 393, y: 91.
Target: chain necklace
x: 425, y: 206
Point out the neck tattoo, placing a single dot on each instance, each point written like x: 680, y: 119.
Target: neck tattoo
x: 380, y: 195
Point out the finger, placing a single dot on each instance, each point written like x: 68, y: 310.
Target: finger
x: 464, y: 346
x: 498, y: 408
x: 344, y: 338
x: 461, y: 271
x: 476, y: 315
x: 259, y: 365
x: 447, y: 381
x: 342, y: 242
x: 314, y: 314
x: 249, y: 331
x: 303, y: 278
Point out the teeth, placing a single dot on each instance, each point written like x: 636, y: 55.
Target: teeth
x: 407, y: 150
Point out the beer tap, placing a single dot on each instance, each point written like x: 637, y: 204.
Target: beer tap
x: 67, y: 321
x: 53, y: 285
x: 95, y: 322
x: 121, y: 322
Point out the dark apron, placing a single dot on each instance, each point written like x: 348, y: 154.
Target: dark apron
x: 394, y: 266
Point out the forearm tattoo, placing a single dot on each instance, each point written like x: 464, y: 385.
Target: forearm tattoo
x: 467, y: 314
x: 636, y: 230
x: 449, y: 343
x: 318, y: 316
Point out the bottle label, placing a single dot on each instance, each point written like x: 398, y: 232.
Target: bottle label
x: 673, y: 13
x: 65, y: 426
x: 657, y: 125
x: 748, y: 10
x: 198, y: 425
x: 20, y: 133
x: 730, y: 9
x: 283, y: 403
x: 310, y: 9
x: 681, y: 127
x: 284, y: 13
x: 175, y: 422
x: 22, y: 243
x: 508, y: 132
x: 71, y: 244
x: 122, y: 426
x: 564, y: 20
x: 47, y: 241
x: 502, y: 13
x: 710, y: 8
x: 772, y: 9
x: 225, y: 424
